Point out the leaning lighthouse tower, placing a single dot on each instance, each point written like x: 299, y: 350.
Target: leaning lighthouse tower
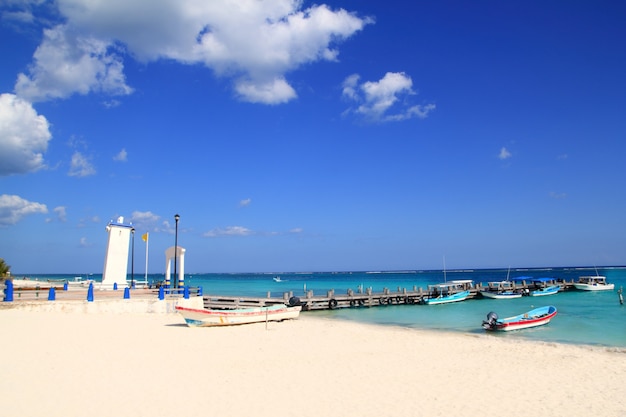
x: 116, y: 259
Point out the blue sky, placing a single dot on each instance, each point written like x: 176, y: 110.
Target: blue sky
x: 300, y: 136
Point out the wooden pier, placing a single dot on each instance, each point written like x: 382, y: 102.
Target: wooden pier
x: 332, y: 300
x: 309, y: 301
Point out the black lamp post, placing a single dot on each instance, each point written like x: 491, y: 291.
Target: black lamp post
x: 175, y: 280
x: 132, y: 260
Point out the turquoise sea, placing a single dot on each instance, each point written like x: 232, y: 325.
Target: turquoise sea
x: 586, y: 318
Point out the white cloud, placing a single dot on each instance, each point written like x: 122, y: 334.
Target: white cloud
x: 19, y: 17
x: 81, y: 166
x: 92, y: 219
x: 166, y: 227
x: 24, y: 136
x: 148, y: 221
x: 20, y: 14
x: 121, y: 156
x: 61, y: 213
x: 229, y: 231
x: 245, y: 203
x: 144, y: 216
x: 109, y: 104
x: 504, y: 154
x: 145, y: 220
x: 277, y: 91
x: 350, y: 85
x: 557, y: 196
x: 384, y: 100
x: 67, y: 62
x: 13, y: 208
x: 255, y: 42
x: 244, y: 231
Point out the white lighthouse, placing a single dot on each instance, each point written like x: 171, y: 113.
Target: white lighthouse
x: 116, y: 259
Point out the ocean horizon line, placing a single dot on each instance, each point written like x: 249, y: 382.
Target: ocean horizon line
x: 353, y: 271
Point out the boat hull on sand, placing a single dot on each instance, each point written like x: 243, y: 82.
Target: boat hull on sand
x: 532, y: 318
x: 208, y: 318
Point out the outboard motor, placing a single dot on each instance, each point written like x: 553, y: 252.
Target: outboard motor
x: 490, y: 323
x: 294, y: 301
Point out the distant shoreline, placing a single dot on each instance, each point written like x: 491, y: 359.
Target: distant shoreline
x: 365, y: 271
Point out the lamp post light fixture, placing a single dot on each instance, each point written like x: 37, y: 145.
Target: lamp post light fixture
x: 132, y: 260
x: 175, y: 280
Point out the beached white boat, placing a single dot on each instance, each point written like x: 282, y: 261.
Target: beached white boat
x: 593, y: 283
x: 447, y: 292
x: 532, y: 318
x: 207, y: 317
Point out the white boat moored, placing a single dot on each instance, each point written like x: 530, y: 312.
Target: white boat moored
x: 593, y: 283
x: 501, y: 295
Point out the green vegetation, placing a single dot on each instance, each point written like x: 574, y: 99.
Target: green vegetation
x: 5, y: 270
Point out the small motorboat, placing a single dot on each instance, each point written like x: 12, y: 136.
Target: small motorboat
x: 501, y: 290
x: 447, y: 292
x: 533, y: 318
x: 550, y: 290
x: 501, y: 295
x: 539, y: 286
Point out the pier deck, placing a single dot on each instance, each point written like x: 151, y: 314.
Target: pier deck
x: 309, y: 301
x: 332, y: 300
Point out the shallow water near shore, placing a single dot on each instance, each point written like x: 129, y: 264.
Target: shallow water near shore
x: 587, y: 318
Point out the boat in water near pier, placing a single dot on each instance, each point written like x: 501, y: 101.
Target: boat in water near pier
x: 447, y: 292
x: 550, y: 290
x: 593, y: 283
x: 501, y: 290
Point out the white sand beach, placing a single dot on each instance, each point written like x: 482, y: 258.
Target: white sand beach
x: 135, y: 364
